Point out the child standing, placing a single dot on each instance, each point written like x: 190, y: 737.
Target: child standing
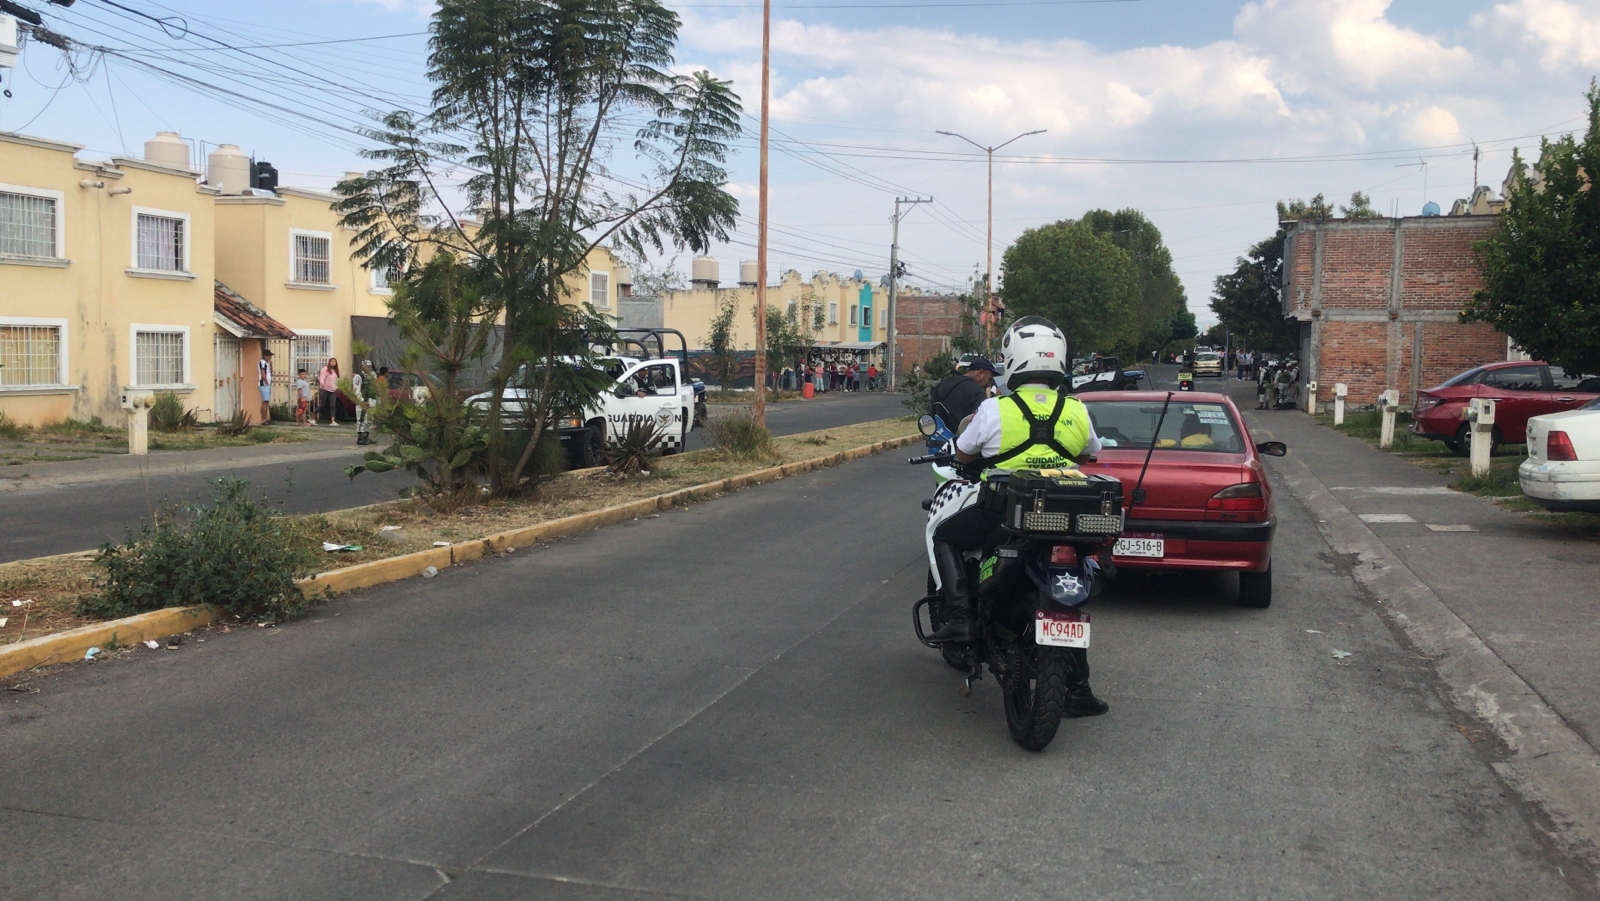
x: 302, y: 394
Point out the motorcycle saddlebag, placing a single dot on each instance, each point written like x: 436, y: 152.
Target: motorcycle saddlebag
x: 1063, y: 503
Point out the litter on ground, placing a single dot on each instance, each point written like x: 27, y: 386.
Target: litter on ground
x: 430, y: 572
x: 1340, y: 655
x: 152, y: 644
x: 331, y: 547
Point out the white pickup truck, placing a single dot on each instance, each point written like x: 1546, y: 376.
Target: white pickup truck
x: 642, y: 389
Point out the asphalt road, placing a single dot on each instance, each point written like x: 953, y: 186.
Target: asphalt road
x: 36, y: 521
x: 727, y: 702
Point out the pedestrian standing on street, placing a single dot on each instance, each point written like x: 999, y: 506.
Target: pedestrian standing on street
x: 302, y: 399
x: 264, y: 383
x: 365, y: 381
x: 328, y: 391
x: 872, y: 376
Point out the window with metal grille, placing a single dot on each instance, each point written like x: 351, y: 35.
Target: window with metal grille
x: 853, y: 314
x: 311, y: 253
x: 158, y: 358
x: 600, y: 289
x: 833, y: 314
x: 29, y: 355
x: 311, y: 353
x: 380, y: 279
x: 27, y: 225
x: 160, y: 243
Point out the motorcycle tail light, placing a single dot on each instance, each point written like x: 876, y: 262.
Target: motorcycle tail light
x: 1246, y: 497
x: 1063, y: 555
x: 1558, y: 447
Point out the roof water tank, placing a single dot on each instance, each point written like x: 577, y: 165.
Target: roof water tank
x: 623, y: 273
x: 1430, y: 209
x: 704, y: 269
x: 167, y: 149
x: 228, y: 169
x: 748, y: 273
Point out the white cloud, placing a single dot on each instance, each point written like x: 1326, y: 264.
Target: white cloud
x: 1345, y: 41
x: 1565, y: 33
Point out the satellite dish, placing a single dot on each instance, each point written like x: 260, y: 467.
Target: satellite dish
x: 858, y: 275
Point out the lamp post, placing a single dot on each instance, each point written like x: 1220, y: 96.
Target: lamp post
x: 988, y: 265
x: 758, y: 407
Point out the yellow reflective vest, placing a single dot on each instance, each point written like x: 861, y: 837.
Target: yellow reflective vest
x: 1040, y: 428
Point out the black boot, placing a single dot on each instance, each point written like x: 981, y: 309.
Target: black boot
x: 957, y: 628
x: 1080, y: 698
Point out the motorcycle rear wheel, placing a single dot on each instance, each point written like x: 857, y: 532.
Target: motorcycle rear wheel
x: 1036, y: 695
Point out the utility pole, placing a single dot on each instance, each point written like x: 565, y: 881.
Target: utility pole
x: 758, y: 407
x: 894, y: 281
x: 988, y: 266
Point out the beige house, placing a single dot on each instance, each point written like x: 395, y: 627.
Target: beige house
x: 106, y: 280
x: 852, y: 309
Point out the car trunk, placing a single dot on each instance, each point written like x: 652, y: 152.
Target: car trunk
x: 1178, y: 483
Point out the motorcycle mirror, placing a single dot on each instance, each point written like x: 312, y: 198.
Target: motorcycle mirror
x: 1272, y: 448
x: 925, y: 425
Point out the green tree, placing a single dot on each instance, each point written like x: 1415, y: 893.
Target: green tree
x: 786, y: 339
x: 534, y: 99
x: 1360, y: 208
x: 1161, y: 296
x: 1079, y: 279
x: 720, y: 341
x: 1248, y: 301
x: 1541, y: 268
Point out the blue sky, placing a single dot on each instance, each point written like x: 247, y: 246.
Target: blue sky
x: 1142, y: 101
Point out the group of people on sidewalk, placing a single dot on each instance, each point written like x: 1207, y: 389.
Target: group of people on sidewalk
x: 366, y: 381
x: 1244, y: 362
x: 830, y: 376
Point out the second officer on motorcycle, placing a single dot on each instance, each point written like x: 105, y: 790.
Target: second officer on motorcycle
x: 1036, y: 424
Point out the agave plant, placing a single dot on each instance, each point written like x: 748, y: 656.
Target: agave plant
x: 633, y: 452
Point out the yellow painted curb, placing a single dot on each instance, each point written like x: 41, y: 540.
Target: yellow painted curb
x: 64, y: 646
x: 71, y: 645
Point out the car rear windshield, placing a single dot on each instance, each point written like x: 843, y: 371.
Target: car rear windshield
x: 1465, y: 378
x: 1188, y: 426
x: 1207, y: 357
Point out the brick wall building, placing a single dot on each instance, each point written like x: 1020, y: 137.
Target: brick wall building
x: 924, y: 325
x: 1378, y: 303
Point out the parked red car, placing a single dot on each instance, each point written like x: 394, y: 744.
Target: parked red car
x: 1521, y: 390
x: 1207, y: 503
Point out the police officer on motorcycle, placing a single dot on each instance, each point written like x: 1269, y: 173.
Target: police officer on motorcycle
x: 1036, y: 424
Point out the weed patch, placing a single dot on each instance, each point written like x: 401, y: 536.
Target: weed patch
x: 739, y: 436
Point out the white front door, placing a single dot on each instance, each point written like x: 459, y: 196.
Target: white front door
x: 226, y: 403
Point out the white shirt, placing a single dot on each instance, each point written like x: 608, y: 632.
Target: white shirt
x: 982, y: 435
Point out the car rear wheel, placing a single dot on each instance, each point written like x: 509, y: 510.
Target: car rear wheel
x: 1255, y: 589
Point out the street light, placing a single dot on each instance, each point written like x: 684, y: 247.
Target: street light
x: 988, y: 267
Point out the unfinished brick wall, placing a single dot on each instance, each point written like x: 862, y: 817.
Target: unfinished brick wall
x: 924, y: 325
x: 1375, y: 327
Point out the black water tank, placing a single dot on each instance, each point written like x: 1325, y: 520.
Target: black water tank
x: 264, y: 177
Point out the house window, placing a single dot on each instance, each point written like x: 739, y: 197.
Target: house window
x: 600, y: 289
x: 854, y: 314
x: 31, y: 353
x: 380, y: 280
x: 794, y: 309
x: 310, y: 256
x: 311, y: 353
x: 160, y: 356
x: 28, y: 224
x: 159, y: 243
x: 833, y: 314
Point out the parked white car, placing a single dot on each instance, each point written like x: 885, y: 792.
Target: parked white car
x: 1562, y: 471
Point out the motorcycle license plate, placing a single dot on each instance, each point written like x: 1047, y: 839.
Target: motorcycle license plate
x: 1139, y: 546
x: 1061, y: 630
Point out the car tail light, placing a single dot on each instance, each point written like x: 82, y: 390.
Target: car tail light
x: 1558, y: 447
x: 1425, y: 402
x: 1064, y: 555
x: 1236, y: 500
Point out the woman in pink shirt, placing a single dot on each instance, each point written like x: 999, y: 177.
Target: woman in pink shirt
x: 328, y: 391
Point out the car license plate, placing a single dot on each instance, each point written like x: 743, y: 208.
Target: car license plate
x: 1061, y: 630
x: 1139, y: 546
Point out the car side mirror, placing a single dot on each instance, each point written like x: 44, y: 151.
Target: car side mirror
x: 1272, y: 448
x: 925, y: 425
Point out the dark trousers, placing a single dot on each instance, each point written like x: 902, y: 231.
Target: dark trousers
x: 326, y: 406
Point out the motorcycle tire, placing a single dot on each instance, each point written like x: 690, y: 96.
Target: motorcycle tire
x: 1036, y: 695
x: 955, y: 657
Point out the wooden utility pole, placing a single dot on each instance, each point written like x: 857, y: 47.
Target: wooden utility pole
x: 894, y: 282
x: 758, y: 408
x: 988, y: 265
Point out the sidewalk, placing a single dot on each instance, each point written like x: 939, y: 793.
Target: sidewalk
x: 327, y: 442
x: 1528, y: 591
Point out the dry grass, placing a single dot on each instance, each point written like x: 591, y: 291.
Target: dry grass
x: 78, y: 440
x: 54, y: 584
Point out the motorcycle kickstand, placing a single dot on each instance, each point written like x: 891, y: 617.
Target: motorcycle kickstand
x: 966, y: 687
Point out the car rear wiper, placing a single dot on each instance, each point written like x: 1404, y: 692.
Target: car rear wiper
x: 1138, y: 487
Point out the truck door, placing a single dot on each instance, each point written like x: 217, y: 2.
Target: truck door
x: 648, y: 392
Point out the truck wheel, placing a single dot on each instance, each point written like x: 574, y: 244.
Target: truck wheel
x: 592, y: 450
x: 1255, y: 589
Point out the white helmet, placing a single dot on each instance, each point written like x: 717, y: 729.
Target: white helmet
x: 1033, y: 350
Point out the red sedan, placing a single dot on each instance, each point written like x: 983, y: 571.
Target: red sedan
x: 1206, y: 500
x: 1522, y: 390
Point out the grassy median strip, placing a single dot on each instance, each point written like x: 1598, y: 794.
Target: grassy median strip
x: 53, y: 586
